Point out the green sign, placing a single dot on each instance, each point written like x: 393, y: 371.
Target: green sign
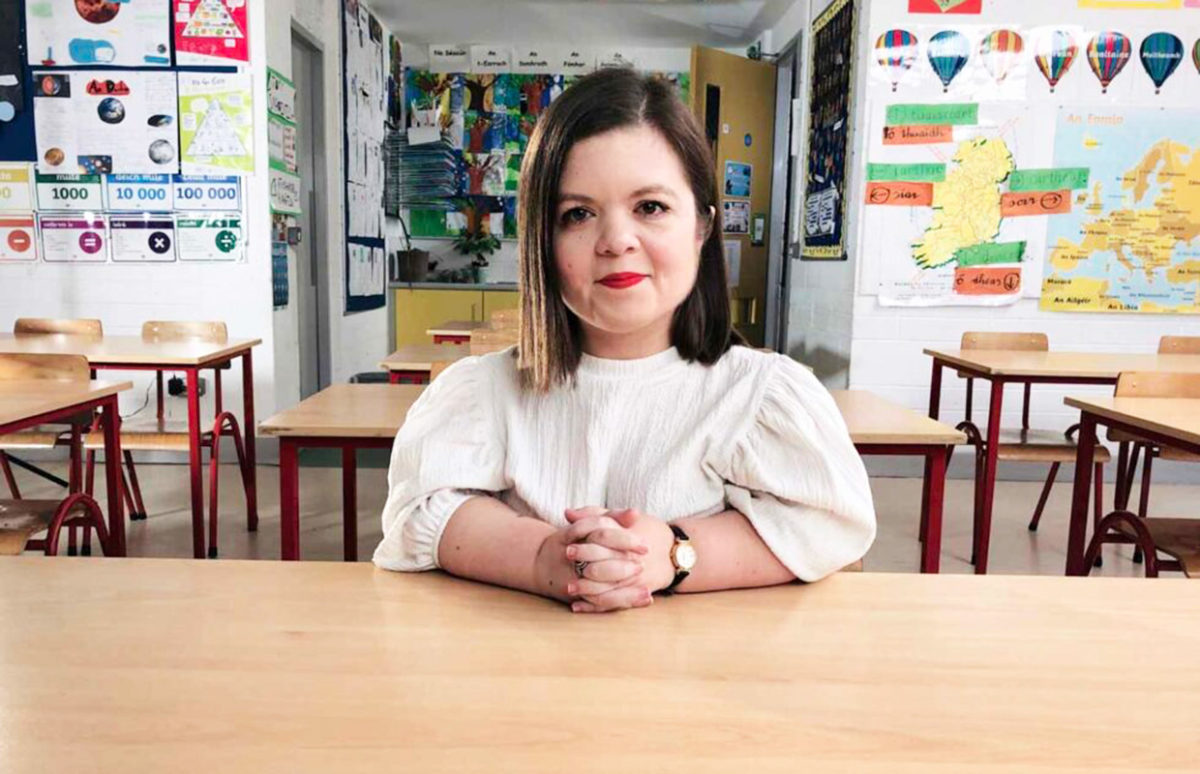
x: 914, y: 173
x: 957, y: 114
x: 989, y: 253
x: 1048, y: 179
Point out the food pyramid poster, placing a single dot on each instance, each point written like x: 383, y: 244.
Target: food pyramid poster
x: 211, y: 31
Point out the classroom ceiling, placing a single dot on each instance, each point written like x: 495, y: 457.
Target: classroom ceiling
x: 666, y: 23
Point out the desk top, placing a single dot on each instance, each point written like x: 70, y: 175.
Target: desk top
x: 1065, y: 365
x: 1177, y: 418
x: 325, y: 666
x: 456, y: 328
x: 347, y: 411
x: 21, y: 399
x: 872, y: 419
x: 123, y: 350
x: 421, y: 357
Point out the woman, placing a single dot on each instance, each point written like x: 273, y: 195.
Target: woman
x: 630, y: 444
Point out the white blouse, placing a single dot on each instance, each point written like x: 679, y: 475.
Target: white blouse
x: 755, y: 432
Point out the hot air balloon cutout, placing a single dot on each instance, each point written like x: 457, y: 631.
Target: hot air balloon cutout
x: 1055, y: 54
x: 948, y: 55
x: 1161, y: 54
x: 1000, y: 51
x: 896, y: 50
x: 1196, y: 55
x: 1108, y: 53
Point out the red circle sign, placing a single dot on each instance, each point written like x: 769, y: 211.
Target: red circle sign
x: 19, y: 241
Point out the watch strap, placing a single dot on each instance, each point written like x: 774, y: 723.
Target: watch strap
x: 680, y: 574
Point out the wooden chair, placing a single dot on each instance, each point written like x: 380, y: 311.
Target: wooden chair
x: 1132, y: 446
x: 485, y: 340
x: 1178, y: 538
x: 437, y: 369
x: 21, y: 519
x: 1025, y: 445
x: 504, y: 319
x: 43, y: 436
x: 160, y: 433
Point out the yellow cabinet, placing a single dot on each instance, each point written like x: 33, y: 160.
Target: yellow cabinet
x: 495, y: 300
x: 419, y: 310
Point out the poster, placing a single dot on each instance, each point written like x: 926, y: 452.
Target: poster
x: 281, y: 143
x: 104, y: 122
x: 1140, y: 5
x: 216, y: 123
x: 279, y: 274
x: 216, y: 237
x: 735, y: 217
x: 737, y: 178
x: 17, y: 232
x: 733, y: 261
x: 945, y: 6
x: 366, y: 275
x: 285, y: 192
x: 142, y: 238
x: 211, y: 32
x: 74, y: 238
x: 828, y: 134
x: 281, y: 96
x: 16, y: 187
x: 126, y: 33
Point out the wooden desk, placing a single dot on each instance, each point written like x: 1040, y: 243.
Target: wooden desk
x: 1001, y: 367
x: 346, y: 417
x: 132, y: 353
x: 412, y: 364
x: 1166, y: 421
x: 25, y: 404
x: 455, y: 331
x: 878, y: 426
x: 314, y: 667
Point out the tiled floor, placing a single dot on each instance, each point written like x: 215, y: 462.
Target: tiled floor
x: 1014, y: 549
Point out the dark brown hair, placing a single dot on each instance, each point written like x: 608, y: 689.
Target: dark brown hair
x: 550, y: 341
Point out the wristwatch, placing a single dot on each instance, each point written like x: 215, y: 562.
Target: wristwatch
x: 683, y: 558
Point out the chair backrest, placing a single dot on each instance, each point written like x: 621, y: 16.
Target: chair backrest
x: 486, y: 340
x: 1024, y: 342
x: 1179, y: 345
x: 45, y: 325
x: 505, y: 319
x: 164, y: 330
x: 438, y: 367
x: 63, y: 368
x: 1157, y: 384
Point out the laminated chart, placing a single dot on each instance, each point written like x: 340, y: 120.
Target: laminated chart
x: 104, y: 122
x: 142, y: 238
x: 127, y: 33
x: 216, y: 123
x: 211, y: 32
x: 74, y: 238
x: 215, y: 237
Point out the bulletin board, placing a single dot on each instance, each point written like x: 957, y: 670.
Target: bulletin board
x: 365, y: 112
x: 1022, y: 150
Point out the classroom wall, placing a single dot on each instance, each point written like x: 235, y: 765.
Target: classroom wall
x: 123, y: 296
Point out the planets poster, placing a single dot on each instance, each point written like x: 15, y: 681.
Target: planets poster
x: 128, y: 33
x: 94, y: 122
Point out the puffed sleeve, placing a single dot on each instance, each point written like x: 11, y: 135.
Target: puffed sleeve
x: 795, y: 475
x: 450, y: 448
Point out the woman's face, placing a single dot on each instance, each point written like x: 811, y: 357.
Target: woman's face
x: 627, y: 238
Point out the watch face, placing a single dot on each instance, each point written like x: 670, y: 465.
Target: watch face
x: 685, y: 556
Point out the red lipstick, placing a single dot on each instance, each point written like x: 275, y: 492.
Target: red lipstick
x: 621, y: 280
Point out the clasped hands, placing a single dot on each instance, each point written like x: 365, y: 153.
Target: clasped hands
x: 626, y: 556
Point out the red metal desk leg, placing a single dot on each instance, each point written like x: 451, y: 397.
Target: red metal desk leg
x: 193, y: 403
x: 349, y: 504
x: 983, y: 523
x: 1077, y: 533
x: 250, y: 429
x: 935, y: 402
x: 113, y: 478
x: 932, y: 500
x: 289, y: 501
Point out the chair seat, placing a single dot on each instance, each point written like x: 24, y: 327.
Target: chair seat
x: 40, y: 437
x: 21, y: 519
x: 1178, y: 538
x: 1177, y: 455
x: 1040, y: 446
x: 151, y: 434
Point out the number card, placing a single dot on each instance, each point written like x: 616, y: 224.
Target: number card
x: 139, y: 193
x: 76, y: 193
x: 207, y: 193
x: 16, y: 193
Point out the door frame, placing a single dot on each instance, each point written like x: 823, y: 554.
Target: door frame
x: 780, y: 251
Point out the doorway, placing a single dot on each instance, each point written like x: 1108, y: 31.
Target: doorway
x: 312, y: 269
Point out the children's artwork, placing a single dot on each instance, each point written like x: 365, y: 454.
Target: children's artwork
x: 211, y: 32
x: 216, y: 122
x: 285, y: 192
x: 215, y: 237
x: 737, y: 178
x: 105, y: 122
x: 945, y: 6
x: 281, y: 96
x: 17, y: 241
x: 281, y: 143
x: 142, y: 238
x: 736, y: 218
x: 74, y: 238
x: 126, y: 33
